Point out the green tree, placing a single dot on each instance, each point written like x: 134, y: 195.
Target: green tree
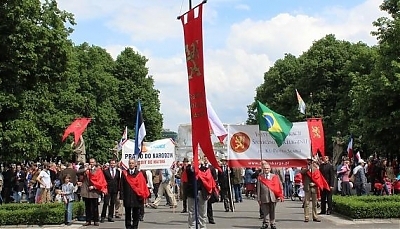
x: 34, y: 54
x: 323, y: 76
x: 376, y: 95
x: 135, y: 84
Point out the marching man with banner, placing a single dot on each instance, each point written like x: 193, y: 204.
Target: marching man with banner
x: 269, y: 192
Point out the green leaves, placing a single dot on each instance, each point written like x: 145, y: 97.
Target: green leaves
x: 46, y: 82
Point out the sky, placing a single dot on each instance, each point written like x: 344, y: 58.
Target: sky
x: 242, y: 39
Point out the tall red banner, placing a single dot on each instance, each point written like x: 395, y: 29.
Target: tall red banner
x: 192, y: 28
x: 316, y: 131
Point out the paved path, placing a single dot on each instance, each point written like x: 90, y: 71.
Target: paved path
x: 289, y: 215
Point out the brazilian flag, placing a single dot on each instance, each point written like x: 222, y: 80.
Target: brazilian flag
x: 277, y: 125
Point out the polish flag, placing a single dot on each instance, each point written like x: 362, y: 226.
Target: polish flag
x: 350, y: 148
x: 215, y: 123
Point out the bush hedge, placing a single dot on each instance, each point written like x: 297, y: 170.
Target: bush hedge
x: 37, y: 214
x: 363, y: 207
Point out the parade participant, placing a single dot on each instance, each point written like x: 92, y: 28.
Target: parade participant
x: 112, y: 176
x: 269, y: 191
x: 165, y: 186
x: 224, y: 184
x: 204, y: 167
x: 205, y: 184
x: 133, y: 193
x: 312, y: 181
x: 93, y: 185
x: 184, y: 179
x: 327, y: 170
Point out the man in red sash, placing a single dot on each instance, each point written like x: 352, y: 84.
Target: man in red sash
x: 312, y: 181
x: 93, y: 185
x: 269, y: 192
x: 184, y: 179
x: 133, y: 193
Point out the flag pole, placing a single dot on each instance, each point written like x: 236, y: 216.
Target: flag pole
x: 196, y: 201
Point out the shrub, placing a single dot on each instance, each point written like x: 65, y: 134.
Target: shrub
x: 362, y: 207
x: 36, y: 214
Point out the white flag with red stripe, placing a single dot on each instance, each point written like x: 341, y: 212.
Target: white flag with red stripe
x: 350, y: 148
x: 124, y: 138
x: 215, y: 123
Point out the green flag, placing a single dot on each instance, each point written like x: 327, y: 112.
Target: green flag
x: 277, y: 125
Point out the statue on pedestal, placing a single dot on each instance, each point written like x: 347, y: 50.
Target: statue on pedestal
x: 80, y: 150
x: 115, y: 151
x: 338, y: 144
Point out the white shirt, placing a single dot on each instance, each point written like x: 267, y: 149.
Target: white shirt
x: 45, y: 177
x: 149, y: 176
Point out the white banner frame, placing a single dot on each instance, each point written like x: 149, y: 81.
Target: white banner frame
x: 244, y: 147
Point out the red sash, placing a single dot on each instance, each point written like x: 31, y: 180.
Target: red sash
x: 318, y: 179
x: 138, y: 184
x: 273, y: 184
x: 208, y: 181
x: 98, y: 180
x: 184, y: 177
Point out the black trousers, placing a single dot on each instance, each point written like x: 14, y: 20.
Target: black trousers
x: 132, y: 217
x: 155, y: 189
x: 92, y: 209
x: 210, y: 213
x: 326, y: 197
x: 141, y: 212
x: 109, y: 202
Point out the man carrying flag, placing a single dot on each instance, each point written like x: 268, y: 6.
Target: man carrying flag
x: 277, y: 125
x: 140, y: 131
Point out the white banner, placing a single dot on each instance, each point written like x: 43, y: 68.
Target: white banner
x: 244, y: 146
x: 159, y: 154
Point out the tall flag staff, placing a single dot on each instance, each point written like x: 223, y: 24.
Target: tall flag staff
x: 193, y: 38
x: 140, y: 131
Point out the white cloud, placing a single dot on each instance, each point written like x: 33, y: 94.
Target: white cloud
x: 233, y: 71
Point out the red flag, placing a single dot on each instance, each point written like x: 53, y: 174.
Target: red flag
x: 317, y: 137
x: 77, y: 127
x: 274, y: 185
x: 192, y: 27
x: 98, y: 180
x: 138, y: 184
x: 318, y: 179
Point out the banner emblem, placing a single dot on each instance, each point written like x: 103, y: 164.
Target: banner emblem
x: 240, y: 142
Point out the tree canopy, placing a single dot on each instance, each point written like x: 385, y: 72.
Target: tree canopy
x: 352, y: 86
x: 46, y: 81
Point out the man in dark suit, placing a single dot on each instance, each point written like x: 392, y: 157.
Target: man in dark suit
x: 112, y: 175
x: 326, y: 169
x: 133, y: 193
x: 224, y: 184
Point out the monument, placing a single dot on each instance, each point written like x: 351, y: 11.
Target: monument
x: 80, y: 150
